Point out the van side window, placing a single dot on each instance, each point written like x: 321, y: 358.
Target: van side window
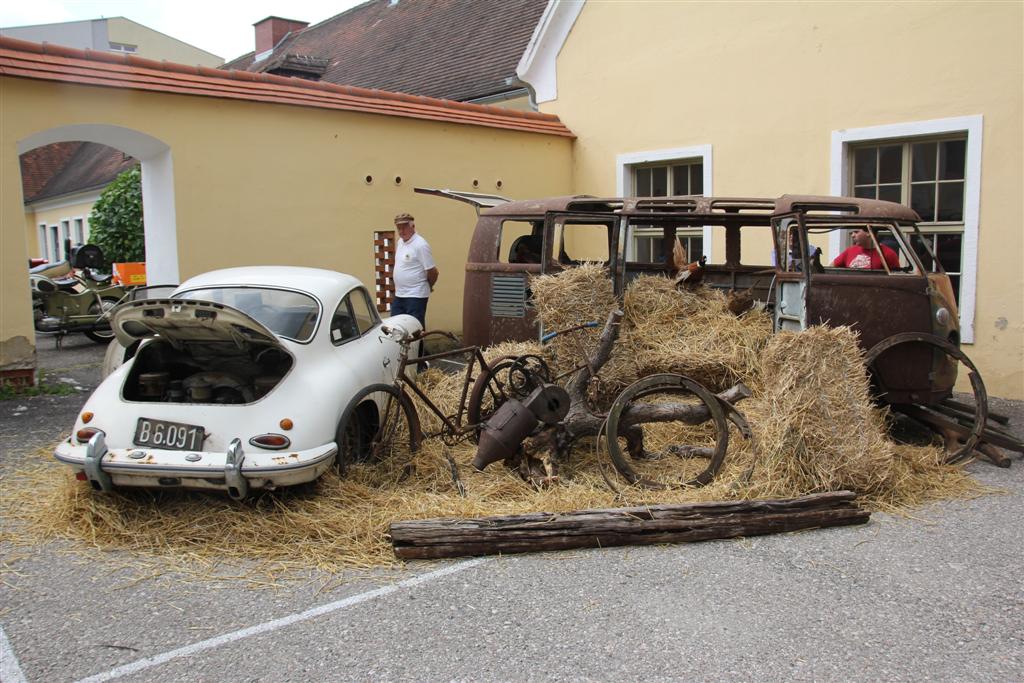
x: 576, y: 243
x: 520, y: 242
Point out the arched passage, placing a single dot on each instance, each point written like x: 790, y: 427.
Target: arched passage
x: 157, y: 186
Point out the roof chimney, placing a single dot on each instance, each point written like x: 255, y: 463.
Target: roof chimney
x: 271, y: 30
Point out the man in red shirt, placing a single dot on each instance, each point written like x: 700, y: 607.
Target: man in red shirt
x: 864, y: 255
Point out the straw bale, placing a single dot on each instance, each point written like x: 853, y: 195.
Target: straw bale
x: 690, y: 332
x: 815, y: 429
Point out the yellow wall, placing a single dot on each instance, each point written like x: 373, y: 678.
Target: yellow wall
x: 155, y: 45
x: 766, y: 84
x: 273, y: 184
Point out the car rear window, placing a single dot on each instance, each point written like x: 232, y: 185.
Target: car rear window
x: 284, y: 312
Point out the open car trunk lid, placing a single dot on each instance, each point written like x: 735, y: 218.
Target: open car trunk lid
x: 187, y: 320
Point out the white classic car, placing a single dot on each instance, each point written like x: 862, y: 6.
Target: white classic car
x: 244, y: 378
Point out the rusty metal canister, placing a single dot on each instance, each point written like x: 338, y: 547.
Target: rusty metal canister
x: 503, y: 433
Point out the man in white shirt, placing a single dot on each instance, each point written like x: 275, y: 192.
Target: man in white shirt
x: 415, y: 271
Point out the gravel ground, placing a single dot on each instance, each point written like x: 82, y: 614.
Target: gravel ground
x: 937, y: 596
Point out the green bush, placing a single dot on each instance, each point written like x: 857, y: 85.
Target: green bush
x: 115, y: 224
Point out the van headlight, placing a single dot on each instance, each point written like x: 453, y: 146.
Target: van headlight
x: 942, y: 315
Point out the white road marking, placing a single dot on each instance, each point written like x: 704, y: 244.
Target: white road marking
x: 273, y: 625
x: 10, y: 670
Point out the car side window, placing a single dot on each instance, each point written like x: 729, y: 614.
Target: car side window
x: 343, y: 323
x: 365, y: 315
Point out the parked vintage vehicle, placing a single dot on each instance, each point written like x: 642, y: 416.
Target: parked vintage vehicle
x: 904, y: 309
x: 238, y: 381
x: 70, y: 296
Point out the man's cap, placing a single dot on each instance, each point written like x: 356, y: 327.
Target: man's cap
x: 404, y: 218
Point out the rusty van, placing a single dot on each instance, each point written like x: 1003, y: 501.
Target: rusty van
x: 904, y: 308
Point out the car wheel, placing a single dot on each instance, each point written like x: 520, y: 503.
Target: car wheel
x: 376, y: 422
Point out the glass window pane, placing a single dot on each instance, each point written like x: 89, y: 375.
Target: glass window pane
x: 864, y: 166
x: 643, y: 182
x: 955, y: 281
x: 366, y: 316
x: 951, y: 202
x: 952, y: 159
x: 922, y: 200
x: 890, y: 164
x: 891, y: 193
x: 949, y: 251
x: 922, y: 165
x: 696, y: 249
x: 697, y: 178
x: 659, y: 181
x: 866, y: 192
x: 680, y: 180
x: 922, y: 251
x: 657, y: 250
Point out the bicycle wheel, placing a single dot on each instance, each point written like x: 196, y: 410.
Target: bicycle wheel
x: 669, y: 425
x: 380, y: 420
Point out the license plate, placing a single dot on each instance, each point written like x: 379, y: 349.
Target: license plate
x: 169, y: 435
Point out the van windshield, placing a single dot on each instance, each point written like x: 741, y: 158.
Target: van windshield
x: 286, y: 313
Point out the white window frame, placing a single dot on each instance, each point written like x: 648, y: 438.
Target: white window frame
x: 626, y: 163
x: 972, y: 126
x: 79, y: 228
x: 44, y: 251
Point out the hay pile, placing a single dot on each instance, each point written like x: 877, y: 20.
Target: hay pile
x: 814, y: 430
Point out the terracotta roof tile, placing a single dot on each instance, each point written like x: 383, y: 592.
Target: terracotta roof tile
x: 91, y: 166
x: 451, y: 49
x: 22, y: 59
x: 39, y: 165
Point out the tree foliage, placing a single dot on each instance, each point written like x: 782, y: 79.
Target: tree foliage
x: 115, y: 224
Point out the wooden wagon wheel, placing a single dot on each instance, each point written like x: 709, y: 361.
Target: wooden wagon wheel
x: 629, y: 414
x: 977, y: 385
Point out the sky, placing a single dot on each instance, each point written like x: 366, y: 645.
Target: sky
x: 218, y: 26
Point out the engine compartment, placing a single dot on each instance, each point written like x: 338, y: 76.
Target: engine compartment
x: 205, y: 372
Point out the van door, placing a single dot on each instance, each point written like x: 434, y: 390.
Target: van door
x: 791, y: 277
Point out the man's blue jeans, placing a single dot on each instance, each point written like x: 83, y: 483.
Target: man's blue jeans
x: 417, y: 308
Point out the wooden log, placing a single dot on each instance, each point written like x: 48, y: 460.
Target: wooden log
x: 455, y: 537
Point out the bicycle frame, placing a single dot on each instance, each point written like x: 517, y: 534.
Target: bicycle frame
x: 452, y: 425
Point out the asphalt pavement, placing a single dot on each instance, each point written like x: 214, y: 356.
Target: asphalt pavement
x: 934, y: 596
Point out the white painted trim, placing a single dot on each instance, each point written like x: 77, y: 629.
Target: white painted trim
x: 64, y: 200
x: 537, y: 67
x: 10, y: 670
x: 973, y: 126
x: 157, y: 187
x: 624, y: 164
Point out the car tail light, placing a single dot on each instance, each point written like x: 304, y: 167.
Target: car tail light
x: 87, y: 417
x: 274, y: 442
x: 85, y: 433
x: 81, y: 476
x: 286, y: 424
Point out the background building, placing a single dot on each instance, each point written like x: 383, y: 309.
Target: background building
x: 452, y: 49
x: 115, y: 34
x: 63, y: 182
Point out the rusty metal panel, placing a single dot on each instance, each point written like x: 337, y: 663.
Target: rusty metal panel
x: 878, y: 306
